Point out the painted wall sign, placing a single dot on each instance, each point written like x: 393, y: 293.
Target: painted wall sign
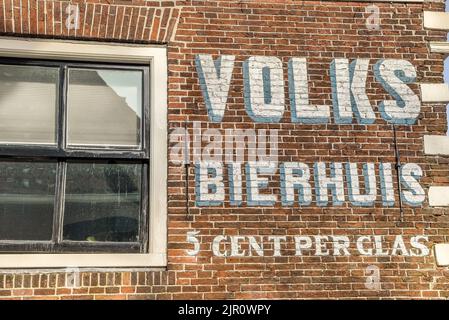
x: 264, y: 90
x: 296, y: 177
x: 317, y: 245
x: 305, y: 184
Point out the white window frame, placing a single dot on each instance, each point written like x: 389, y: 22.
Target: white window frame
x: 156, y: 58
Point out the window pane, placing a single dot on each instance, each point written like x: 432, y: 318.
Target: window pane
x: 27, y: 192
x: 104, y: 107
x: 102, y: 202
x: 28, y: 104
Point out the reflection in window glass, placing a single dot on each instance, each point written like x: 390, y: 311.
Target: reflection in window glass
x: 102, y: 202
x: 104, y: 107
x: 28, y: 99
x: 27, y: 192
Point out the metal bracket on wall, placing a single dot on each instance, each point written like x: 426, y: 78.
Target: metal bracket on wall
x: 187, y: 168
x: 398, y: 167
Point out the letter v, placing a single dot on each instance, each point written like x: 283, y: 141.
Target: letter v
x: 215, y: 79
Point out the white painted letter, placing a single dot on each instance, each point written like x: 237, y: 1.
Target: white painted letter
x: 215, y: 79
x: 301, y: 110
x: 264, y: 88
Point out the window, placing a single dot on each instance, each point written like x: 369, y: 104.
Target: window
x: 73, y: 156
x: 98, y: 188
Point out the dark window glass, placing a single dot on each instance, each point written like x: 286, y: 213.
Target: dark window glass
x: 28, y: 104
x: 27, y: 195
x: 104, y: 108
x: 74, y: 156
x: 102, y: 202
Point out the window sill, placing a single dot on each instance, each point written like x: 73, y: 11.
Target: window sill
x: 116, y: 260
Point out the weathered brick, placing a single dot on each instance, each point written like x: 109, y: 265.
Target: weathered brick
x: 281, y: 29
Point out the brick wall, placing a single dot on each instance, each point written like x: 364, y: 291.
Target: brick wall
x: 320, y: 31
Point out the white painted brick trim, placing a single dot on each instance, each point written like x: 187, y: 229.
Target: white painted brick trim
x: 436, y: 20
x: 434, y: 92
x: 439, y: 196
x: 439, y: 46
x: 441, y: 251
x: 436, y: 145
